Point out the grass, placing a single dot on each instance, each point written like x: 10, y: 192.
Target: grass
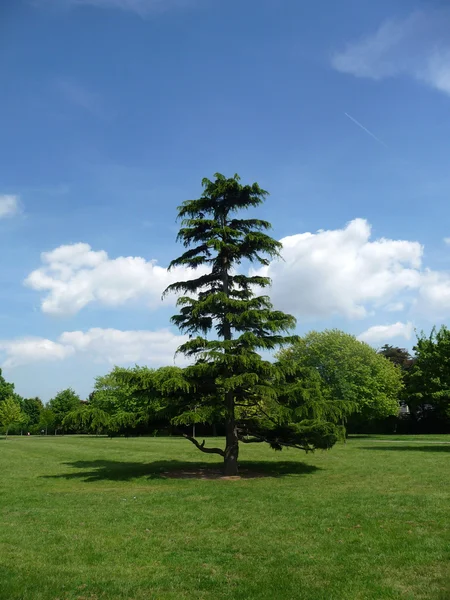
x: 93, y: 518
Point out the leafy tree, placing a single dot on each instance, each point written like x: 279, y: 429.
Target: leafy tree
x: 63, y: 403
x: 399, y: 356
x: 229, y: 376
x: 10, y: 413
x: 349, y: 375
x: 6, y: 389
x: 32, y: 407
x: 47, y: 419
x: 88, y: 419
x: 428, y: 382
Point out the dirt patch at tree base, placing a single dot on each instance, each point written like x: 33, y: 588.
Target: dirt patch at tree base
x: 212, y: 474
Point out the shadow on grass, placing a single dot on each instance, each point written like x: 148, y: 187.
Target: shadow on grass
x: 412, y: 448
x: 100, y: 470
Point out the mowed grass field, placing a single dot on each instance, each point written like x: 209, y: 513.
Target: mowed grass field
x: 94, y: 518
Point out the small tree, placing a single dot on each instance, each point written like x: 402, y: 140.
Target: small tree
x: 32, y: 407
x: 63, y: 403
x: 47, y: 419
x: 229, y: 376
x: 10, y: 414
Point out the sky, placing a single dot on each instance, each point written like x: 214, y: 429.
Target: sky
x: 112, y: 112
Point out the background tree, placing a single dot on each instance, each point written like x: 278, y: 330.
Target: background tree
x: 46, y: 419
x: 349, y: 375
x: 229, y: 373
x: 6, y: 389
x: 63, y: 403
x: 10, y: 413
x: 32, y: 407
x: 399, y: 356
x: 428, y: 381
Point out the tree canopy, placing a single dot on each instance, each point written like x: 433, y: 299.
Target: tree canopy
x: 346, y: 375
x: 10, y: 413
x: 428, y: 381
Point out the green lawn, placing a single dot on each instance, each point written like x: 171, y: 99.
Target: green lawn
x: 90, y: 518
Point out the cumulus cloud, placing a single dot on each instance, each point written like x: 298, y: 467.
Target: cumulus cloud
x: 9, y: 205
x: 110, y: 346
x: 434, y: 294
x: 417, y: 46
x: 342, y: 272
x: 119, y: 347
x: 74, y: 276
x: 383, y: 333
x: 32, y: 349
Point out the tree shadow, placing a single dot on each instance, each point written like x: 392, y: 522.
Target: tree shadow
x: 404, y: 448
x: 100, y: 470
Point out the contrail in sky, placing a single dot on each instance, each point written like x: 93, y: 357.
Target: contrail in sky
x: 365, y: 129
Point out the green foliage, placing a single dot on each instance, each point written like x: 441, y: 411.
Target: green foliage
x: 63, y: 403
x: 47, y: 419
x: 341, y: 375
x: 6, y: 389
x: 428, y: 382
x: 88, y: 419
x: 399, y: 356
x: 10, y: 413
x: 32, y: 407
x: 229, y: 377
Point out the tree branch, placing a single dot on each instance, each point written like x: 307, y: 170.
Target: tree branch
x: 258, y: 440
x: 202, y: 448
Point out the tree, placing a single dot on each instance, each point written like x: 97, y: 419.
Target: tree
x: 10, y: 413
x: 32, y: 407
x: 399, y: 356
x: 6, y: 389
x: 229, y: 376
x: 46, y: 419
x: 428, y: 381
x: 352, y: 376
x: 63, y: 403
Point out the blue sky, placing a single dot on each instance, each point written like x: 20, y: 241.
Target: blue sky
x: 111, y: 113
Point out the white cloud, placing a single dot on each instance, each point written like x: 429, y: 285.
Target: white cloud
x: 110, y: 346
x: 382, y: 333
x: 32, y: 349
x: 9, y: 205
x: 434, y: 294
x: 74, y: 276
x: 417, y: 46
x: 447, y: 241
x: 342, y: 272
x: 119, y: 347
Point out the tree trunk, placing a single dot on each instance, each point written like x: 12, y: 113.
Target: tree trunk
x: 232, y: 441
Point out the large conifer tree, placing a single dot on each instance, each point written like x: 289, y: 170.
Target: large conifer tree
x: 229, y: 377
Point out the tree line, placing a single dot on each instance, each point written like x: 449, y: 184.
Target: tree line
x: 332, y: 372
x: 313, y: 389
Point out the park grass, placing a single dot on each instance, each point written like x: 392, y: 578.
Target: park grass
x: 85, y: 518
